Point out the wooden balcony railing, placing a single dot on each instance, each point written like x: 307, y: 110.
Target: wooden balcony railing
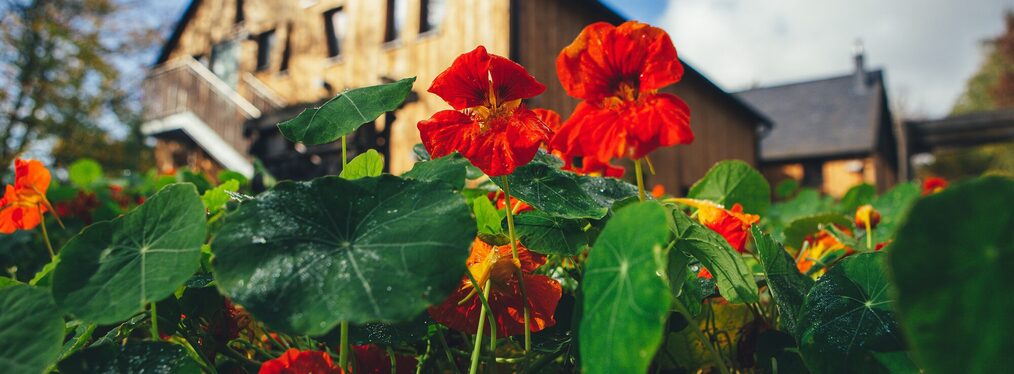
x: 185, y: 85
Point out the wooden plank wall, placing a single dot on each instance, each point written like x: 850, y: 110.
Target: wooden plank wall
x: 365, y: 59
x: 722, y: 131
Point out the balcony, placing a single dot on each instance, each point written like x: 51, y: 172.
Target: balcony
x: 184, y: 98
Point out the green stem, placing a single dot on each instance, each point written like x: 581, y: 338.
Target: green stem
x: 484, y: 298
x: 154, y: 323
x: 869, y: 234
x: 45, y: 235
x: 514, y: 251
x: 394, y: 362
x: 474, y: 368
x: 345, y: 159
x: 447, y: 350
x: 682, y: 309
x: 343, y: 350
x: 640, y: 179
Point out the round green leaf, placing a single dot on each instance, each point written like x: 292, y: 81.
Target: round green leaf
x: 142, y: 357
x: 546, y: 234
x: 31, y: 329
x: 367, y: 164
x: 847, y: 317
x: 857, y: 196
x: 303, y: 256
x: 626, y: 302
x: 451, y: 169
x: 893, y: 206
x: 787, y: 285
x: 733, y: 181
x: 345, y: 113
x: 735, y: 279
x: 84, y: 172
x: 553, y: 191
x: 112, y: 269
x: 953, y: 264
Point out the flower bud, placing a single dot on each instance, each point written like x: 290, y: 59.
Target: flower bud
x: 865, y: 214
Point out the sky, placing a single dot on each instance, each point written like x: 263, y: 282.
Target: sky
x: 927, y: 48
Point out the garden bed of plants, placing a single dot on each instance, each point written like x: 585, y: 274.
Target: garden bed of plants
x: 514, y: 245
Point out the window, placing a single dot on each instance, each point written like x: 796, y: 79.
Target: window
x: 335, y: 24
x: 431, y: 14
x: 265, y: 41
x: 287, y: 52
x: 396, y: 11
x: 240, y: 16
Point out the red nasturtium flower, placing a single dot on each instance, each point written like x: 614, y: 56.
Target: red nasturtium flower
x: 732, y: 224
x: 24, y: 202
x: 933, y: 185
x: 372, y: 359
x: 489, y: 125
x: 618, y: 71
x: 295, y: 361
x: 576, y: 163
x: 460, y: 311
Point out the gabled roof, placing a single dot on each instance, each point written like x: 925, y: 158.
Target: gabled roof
x: 825, y: 118
x: 174, y: 38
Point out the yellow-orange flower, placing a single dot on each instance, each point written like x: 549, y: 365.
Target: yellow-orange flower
x: 24, y: 202
x: 866, y: 215
x: 732, y: 224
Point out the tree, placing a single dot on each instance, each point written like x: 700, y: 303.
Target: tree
x: 62, y: 68
x: 992, y: 87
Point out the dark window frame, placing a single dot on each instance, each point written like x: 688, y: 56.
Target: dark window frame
x: 240, y: 14
x: 287, y: 51
x: 391, y: 30
x: 265, y: 43
x: 334, y: 44
x: 424, y: 20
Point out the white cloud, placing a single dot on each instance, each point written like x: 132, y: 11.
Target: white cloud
x: 928, y: 48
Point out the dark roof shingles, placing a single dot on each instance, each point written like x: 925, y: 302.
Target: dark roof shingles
x: 820, y: 118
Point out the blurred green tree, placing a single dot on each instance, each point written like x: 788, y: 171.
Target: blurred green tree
x: 66, y: 89
x: 991, y: 88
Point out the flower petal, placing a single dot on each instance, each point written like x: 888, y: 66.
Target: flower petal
x: 660, y: 120
x: 543, y: 295
x: 603, y: 56
x: 465, y: 83
x: 511, y: 81
x: 31, y: 175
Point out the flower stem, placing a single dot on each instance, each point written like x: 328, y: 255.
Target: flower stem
x: 478, y: 336
x: 154, y: 323
x: 447, y: 349
x: 869, y: 234
x: 484, y: 298
x: 696, y: 327
x: 514, y: 250
x: 343, y: 349
x: 45, y: 235
x: 345, y: 159
x: 640, y: 179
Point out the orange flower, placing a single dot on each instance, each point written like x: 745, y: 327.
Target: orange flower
x: 489, y: 125
x: 933, y: 185
x: 732, y: 224
x: 24, y: 202
x: 865, y: 214
x: 658, y: 191
x: 618, y: 71
x: 820, y: 245
x: 295, y: 361
x: 574, y: 163
x: 499, y: 200
x: 460, y: 311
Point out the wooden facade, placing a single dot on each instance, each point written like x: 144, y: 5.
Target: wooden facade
x: 300, y: 71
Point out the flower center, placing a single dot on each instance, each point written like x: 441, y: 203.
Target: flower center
x: 499, y: 270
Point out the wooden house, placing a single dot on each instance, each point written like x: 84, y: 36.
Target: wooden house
x: 233, y: 69
x: 831, y: 133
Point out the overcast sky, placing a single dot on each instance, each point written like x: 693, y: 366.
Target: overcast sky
x: 928, y: 48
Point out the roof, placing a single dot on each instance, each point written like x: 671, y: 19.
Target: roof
x: 822, y: 118
x: 174, y: 38
x: 962, y: 130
